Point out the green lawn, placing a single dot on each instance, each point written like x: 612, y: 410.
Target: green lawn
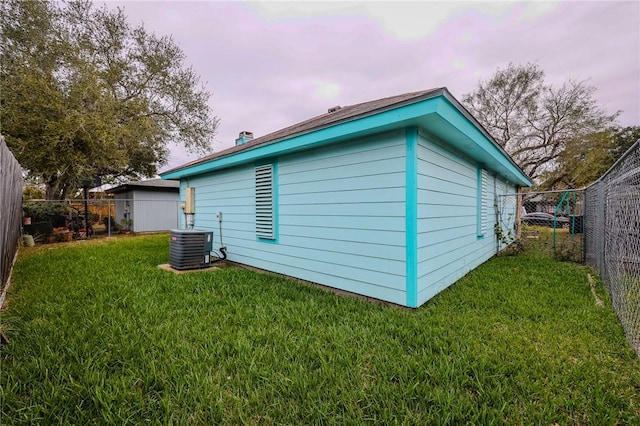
x: 98, y: 334
x: 566, y: 247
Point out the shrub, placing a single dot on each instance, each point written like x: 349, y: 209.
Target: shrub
x: 109, y: 219
x: 44, y: 211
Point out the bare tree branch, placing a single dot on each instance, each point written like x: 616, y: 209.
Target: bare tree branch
x: 534, y: 121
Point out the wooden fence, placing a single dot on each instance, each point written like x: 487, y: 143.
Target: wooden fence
x: 10, y: 210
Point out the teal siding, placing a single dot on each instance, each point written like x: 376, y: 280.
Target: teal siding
x: 361, y: 216
x: 448, y: 246
x: 231, y: 192
x: 341, y: 215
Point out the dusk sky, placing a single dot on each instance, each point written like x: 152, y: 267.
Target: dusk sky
x: 273, y: 64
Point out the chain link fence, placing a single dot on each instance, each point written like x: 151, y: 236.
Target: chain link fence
x: 612, y: 222
x: 10, y: 210
x: 550, y: 221
x: 59, y: 221
x: 599, y: 225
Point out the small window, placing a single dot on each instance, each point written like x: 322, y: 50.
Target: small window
x: 265, y: 202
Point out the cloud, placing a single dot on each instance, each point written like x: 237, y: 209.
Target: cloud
x: 272, y: 64
x: 325, y: 89
x: 404, y: 20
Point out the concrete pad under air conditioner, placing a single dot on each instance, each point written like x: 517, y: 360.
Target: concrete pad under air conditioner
x: 167, y: 267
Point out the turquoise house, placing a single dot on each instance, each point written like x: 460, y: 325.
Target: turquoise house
x: 391, y: 199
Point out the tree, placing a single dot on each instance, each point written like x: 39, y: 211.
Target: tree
x: 534, y: 121
x: 85, y: 94
x: 32, y: 192
x: 585, y: 159
x: 623, y: 139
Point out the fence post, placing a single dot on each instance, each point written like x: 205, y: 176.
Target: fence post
x: 86, y: 212
x: 586, y: 219
x: 601, y: 229
x: 519, y: 214
x: 109, y: 217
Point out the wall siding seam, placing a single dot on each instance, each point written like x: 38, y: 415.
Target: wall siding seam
x: 472, y: 187
x: 346, y: 265
x: 342, y: 204
x: 330, y: 191
x: 460, y: 173
x: 267, y: 266
x: 344, y: 253
x: 286, y: 265
x: 448, y: 205
x: 351, y: 177
x: 445, y: 229
x: 347, y: 215
x: 358, y: 228
x: 436, y: 191
x: 474, y: 263
x: 448, y: 240
x: 464, y: 249
x: 297, y: 166
x: 333, y: 239
x: 294, y: 170
x: 386, y: 230
x: 223, y: 178
x: 448, y: 216
x: 393, y: 138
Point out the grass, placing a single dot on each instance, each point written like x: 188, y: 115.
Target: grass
x: 98, y: 334
x: 567, y: 247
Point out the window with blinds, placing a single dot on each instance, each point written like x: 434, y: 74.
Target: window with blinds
x: 264, y: 202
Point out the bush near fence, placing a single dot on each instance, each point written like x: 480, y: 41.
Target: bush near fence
x: 56, y: 221
x: 10, y: 209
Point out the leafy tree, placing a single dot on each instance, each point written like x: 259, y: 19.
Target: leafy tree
x: 83, y: 94
x: 43, y: 211
x: 534, y: 121
x: 623, y: 139
x: 32, y: 192
x: 584, y: 159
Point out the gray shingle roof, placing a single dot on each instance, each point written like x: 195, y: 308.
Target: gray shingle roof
x: 151, y: 184
x: 343, y: 114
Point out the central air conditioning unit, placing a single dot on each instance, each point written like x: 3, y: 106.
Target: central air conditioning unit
x: 190, y: 249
